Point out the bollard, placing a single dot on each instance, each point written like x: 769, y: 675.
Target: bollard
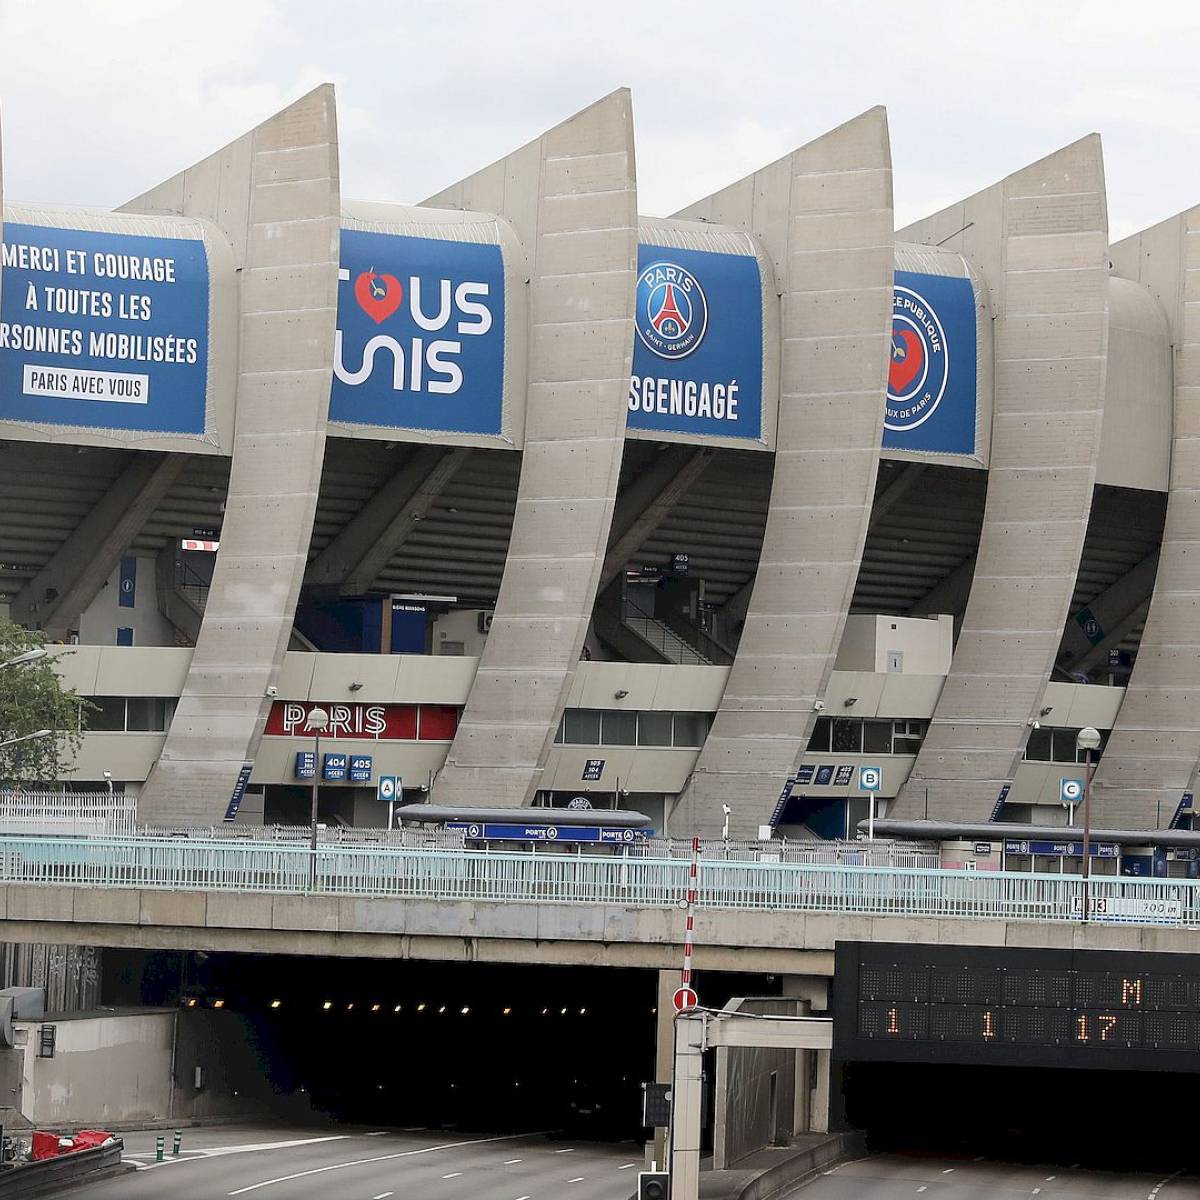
x: 159, y: 1144
x: 178, y: 1143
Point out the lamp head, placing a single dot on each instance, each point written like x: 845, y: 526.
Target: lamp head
x: 316, y: 721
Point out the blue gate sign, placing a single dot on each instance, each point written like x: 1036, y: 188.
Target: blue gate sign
x: 592, y: 770
x: 388, y: 788
x: 551, y: 833
x: 104, y: 330
x: 306, y: 764
x: 333, y: 767
x: 360, y: 768
x: 1063, y: 849
x: 931, y: 395
x: 698, y: 352
x: 420, y: 334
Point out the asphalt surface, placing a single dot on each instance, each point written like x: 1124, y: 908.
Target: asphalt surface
x: 903, y: 1177
x: 363, y: 1164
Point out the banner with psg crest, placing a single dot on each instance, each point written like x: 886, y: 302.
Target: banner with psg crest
x: 698, y: 349
x: 932, y: 398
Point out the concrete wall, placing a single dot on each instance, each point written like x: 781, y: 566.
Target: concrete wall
x: 1151, y: 758
x: 924, y: 643
x: 745, y: 1119
x: 824, y: 215
x: 571, y: 197
x: 99, y: 622
x: 115, y: 1069
x: 275, y: 194
x: 1040, y: 239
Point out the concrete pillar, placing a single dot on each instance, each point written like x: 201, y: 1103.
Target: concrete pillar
x: 54, y: 598
x: 275, y: 195
x: 664, y: 1049
x: 1040, y: 239
x: 1152, y: 754
x: 819, y: 1113
x: 571, y: 197
x: 824, y: 214
x: 685, y: 1107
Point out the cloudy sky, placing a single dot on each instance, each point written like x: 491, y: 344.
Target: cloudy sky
x: 102, y: 99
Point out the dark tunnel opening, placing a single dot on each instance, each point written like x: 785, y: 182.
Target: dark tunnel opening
x: 1108, y: 1120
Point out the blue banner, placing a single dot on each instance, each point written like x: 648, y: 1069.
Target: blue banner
x: 550, y: 833
x: 105, y: 330
x: 698, y: 351
x: 931, y: 397
x: 420, y: 340
x: 127, y: 593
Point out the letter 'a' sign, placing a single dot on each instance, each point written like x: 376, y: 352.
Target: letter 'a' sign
x: 420, y: 334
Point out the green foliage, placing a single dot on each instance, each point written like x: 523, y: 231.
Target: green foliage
x: 32, y: 697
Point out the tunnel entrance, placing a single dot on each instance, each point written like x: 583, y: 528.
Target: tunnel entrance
x: 467, y: 1046
x: 1110, y: 1120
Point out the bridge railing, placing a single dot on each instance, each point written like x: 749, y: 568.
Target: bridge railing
x: 627, y: 880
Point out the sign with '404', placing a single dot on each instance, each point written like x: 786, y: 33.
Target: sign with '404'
x: 420, y: 334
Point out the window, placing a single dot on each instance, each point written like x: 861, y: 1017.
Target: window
x: 618, y: 728
x: 821, y: 733
x: 108, y: 716
x: 581, y: 727
x: 690, y: 728
x: 847, y: 735
x: 907, y: 736
x: 1062, y: 745
x: 1037, y: 749
x: 877, y: 737
x: 654, y: 729
x: 1058, y: 745
x: 146, y: 714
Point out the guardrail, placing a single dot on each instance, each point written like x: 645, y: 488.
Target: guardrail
x: 626, y: 880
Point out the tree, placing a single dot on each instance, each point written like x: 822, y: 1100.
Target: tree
x: 32, y: 698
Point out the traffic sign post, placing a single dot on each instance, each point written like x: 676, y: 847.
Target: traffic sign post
x: 870, y: 780
x: 1070, y: 793
x: 389, y: 789
x: 685, y: 999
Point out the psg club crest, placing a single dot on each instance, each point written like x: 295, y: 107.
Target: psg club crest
x: 672, y: 312
x: 920, y: 362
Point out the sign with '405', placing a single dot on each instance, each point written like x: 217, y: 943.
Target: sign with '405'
x: 420, y: 334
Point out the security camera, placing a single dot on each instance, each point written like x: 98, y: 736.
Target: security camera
x: 1035, y: 724
x: 272, y: 690
x: 726, y: 809
x: 818, y: 705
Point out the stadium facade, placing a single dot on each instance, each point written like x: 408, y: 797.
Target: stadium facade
x: 762, y: 505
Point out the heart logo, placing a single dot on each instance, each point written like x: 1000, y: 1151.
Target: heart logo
x: 378, y: 295
x: 908, y: 359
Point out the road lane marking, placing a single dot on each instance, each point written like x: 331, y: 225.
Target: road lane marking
x: 1036, y: 1191
x: 378, y: 1133
x: 508, y: 1162
x: 1050, y: 1177
x: 947, y: 1170
x: 577, y: 1179
x: 626, y: 1166
x: 359, y: 1162
x: 568, y: 1150
x: 452, y: 1175
x: 522, y: 1198
x: 383, y: 1196
x: 202, y: 1153
x: 922, y: 1188
x: 1162, y: 1183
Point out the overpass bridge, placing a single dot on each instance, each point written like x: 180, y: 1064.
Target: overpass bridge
x: 523, y: 907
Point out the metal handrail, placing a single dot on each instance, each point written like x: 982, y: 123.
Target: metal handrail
x: 555, y: 878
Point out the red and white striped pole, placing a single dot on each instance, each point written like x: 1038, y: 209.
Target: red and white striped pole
x: 689, y: 931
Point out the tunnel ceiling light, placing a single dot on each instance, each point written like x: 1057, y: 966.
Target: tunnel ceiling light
x: 276, y: 1003
x: 396, y: 1009
x: 507, y: 1011
x: 466, y: 1008
x: 218, y: 1004
x: 376, y: 1007
x: 350, y: 1006
x: 327, y: 1005
x: 442, y: 1009
x: 562, y: 1012
x: 545, y: 1011
x: 420, y: 1008
x: 583, y: 1012
x: 190, y: 1002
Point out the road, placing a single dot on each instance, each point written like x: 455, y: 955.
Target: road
x: 365, y: 1164
x: 904, y: 1177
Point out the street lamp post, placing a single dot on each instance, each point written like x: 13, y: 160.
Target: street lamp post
x: 27, y: 737
x: 27, y: 657
x: 316, y: 721
x: 1087, y: 740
